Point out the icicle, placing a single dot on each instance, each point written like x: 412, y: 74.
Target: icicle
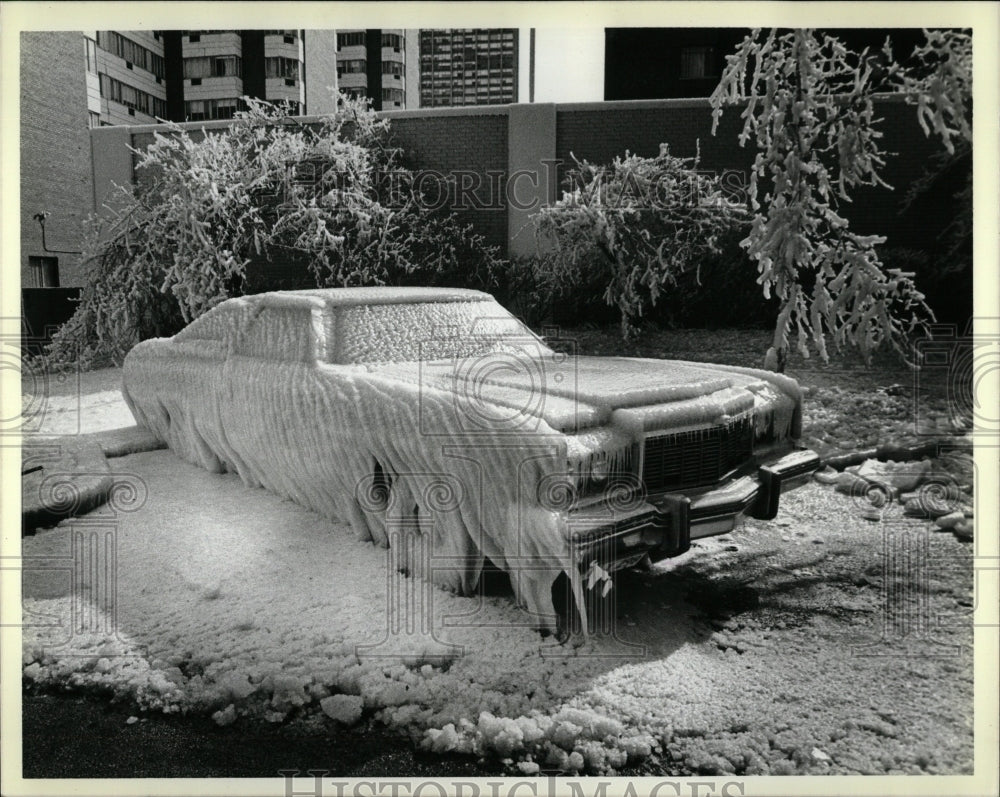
x: 576, y: 584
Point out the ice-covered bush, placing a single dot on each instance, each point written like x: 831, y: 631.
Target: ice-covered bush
x: 634, y: 226
x: 331, y: 197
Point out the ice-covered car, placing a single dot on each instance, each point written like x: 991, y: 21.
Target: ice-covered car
x: 435, y: 412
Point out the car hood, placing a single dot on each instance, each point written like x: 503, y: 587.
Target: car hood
x: 577, y: 393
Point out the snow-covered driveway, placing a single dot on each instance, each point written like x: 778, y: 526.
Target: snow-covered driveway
x: 819, y: 642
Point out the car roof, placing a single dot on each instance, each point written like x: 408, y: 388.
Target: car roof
x: 347, y: 297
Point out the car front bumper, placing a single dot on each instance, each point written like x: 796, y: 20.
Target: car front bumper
x: 664, y: 525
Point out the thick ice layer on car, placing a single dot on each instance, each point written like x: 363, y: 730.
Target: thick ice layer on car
x: 427, y: 418
x: 388, y: 456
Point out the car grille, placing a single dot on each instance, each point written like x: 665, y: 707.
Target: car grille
x: 696, y: 458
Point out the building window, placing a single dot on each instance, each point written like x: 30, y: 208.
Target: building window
x: 224, y: 109
x: 393, y: 68
x: 91, y: 56
x: 352, y: 39
x: 131, y: 52
x: 93, y: 120
x: 393, y: 40
x: 282, y: 67
x: 288, y: 36
x: 353, y: 67
x: 44, y: 271
x: 392, y: 95
x: 213, y: 66
x: 131, y: 97
x: 201, y: 110
x: 194, y: 37
x: 128, y: 95
x: 697, y: 62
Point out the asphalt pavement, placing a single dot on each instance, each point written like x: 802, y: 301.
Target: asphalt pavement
x: 72, y: 736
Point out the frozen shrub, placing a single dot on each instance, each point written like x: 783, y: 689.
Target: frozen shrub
x: 331, y: 199
x: 633, y: 227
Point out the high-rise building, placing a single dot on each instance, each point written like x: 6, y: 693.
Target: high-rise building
x: 126, y: 77
x: 222, y: 66
x: 194, y: 75
x: 470, y: 66
x: 379, y: 64
x: 429, y: 68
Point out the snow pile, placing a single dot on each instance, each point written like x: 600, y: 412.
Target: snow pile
x: 345, y: 709
x: 572, y: 740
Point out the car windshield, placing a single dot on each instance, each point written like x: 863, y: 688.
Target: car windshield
x: 376, y: 333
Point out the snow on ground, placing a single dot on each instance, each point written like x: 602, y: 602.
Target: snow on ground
x: 769, y: 650
x: 72, y: 402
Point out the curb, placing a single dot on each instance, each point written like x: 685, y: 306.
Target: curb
x: 69, y: 476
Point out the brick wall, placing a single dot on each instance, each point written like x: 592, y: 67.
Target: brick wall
x: 473, y: 144
x: 598, y: 132
x: 56, y: 173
